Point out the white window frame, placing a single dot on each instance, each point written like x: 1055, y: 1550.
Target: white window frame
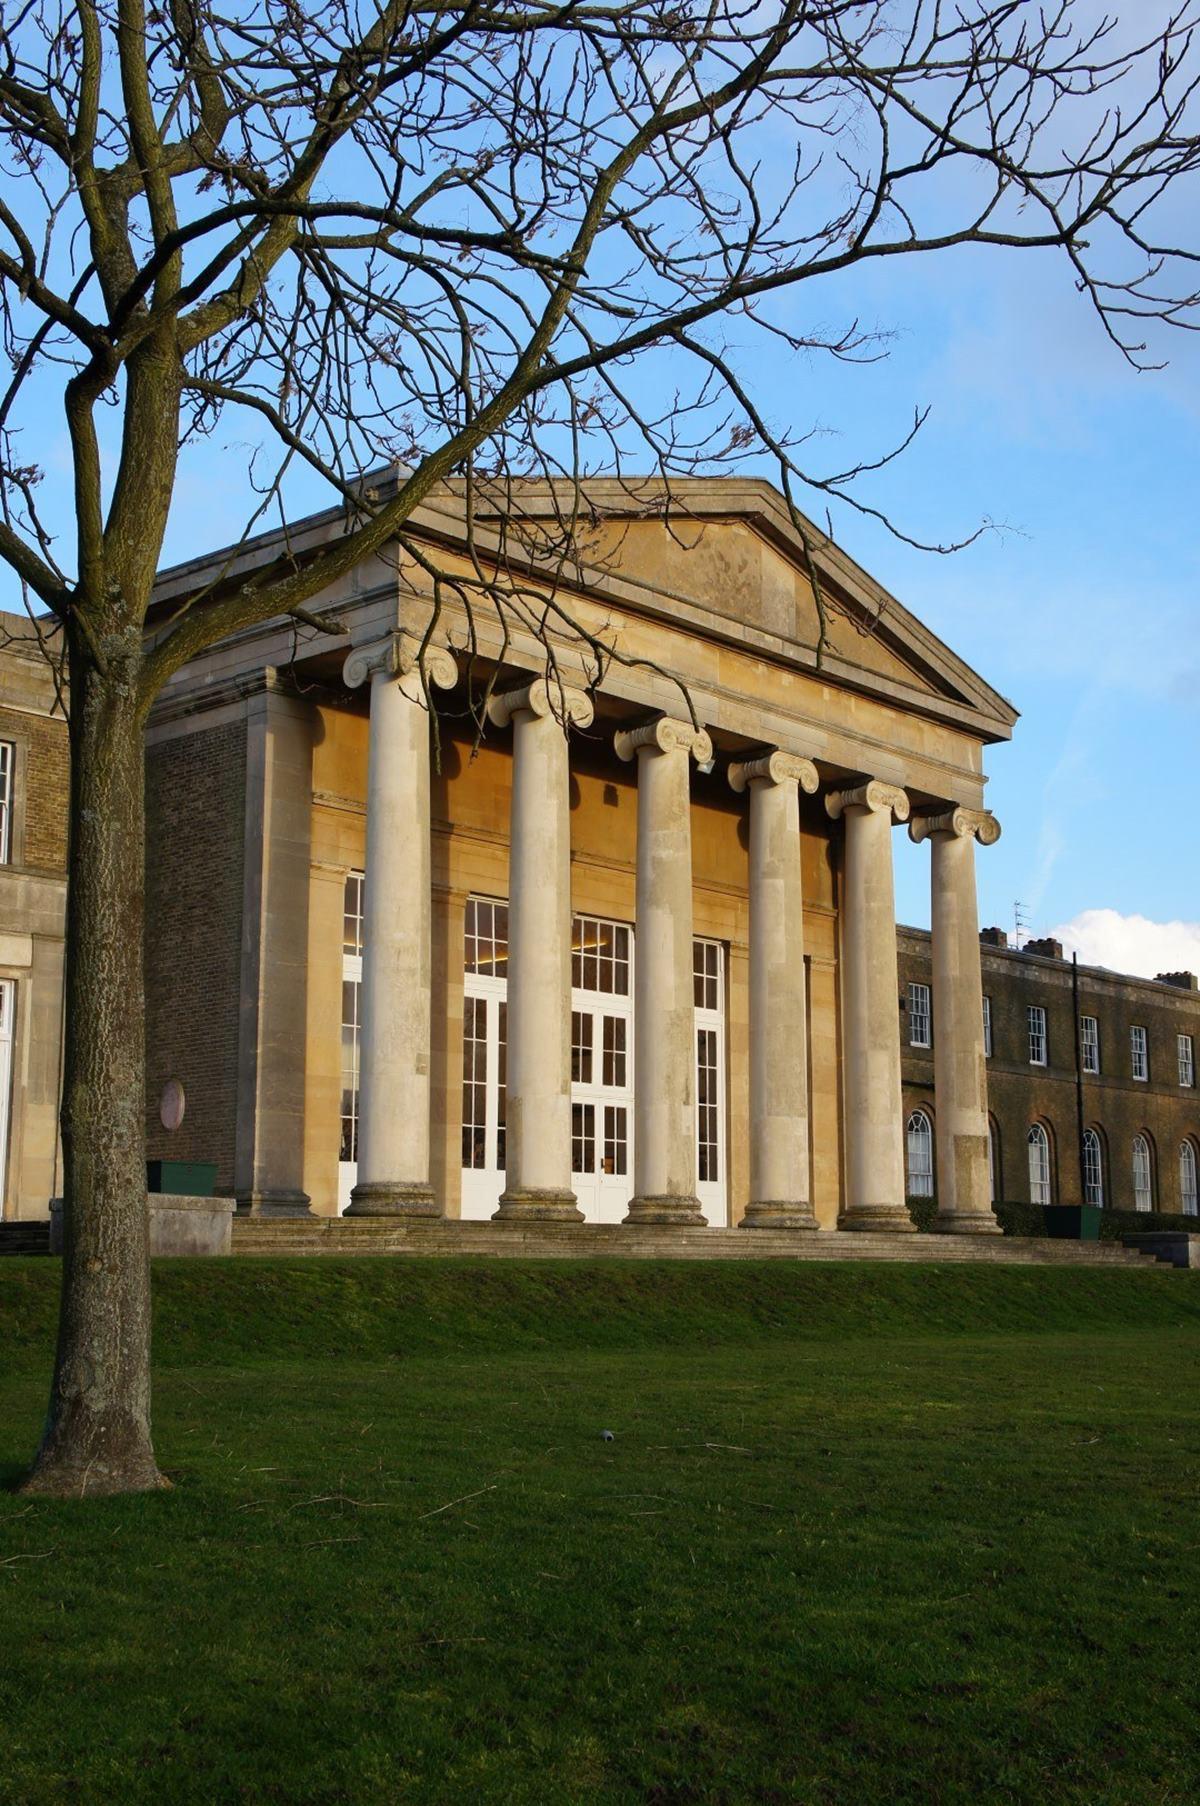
x: 1143, y: 1174
x: 1089, y: 1044
x: 1189, y: 1204
x: 1187, y: 1061
x: 1038, y: 1142
x: 920, y: 1015
x: 1139, y: 1053
x: 1093, y: 1169
x: 987, y: 1026
x: 8, y: 766
x: 918, y: 1155
x: 1035, y: 1022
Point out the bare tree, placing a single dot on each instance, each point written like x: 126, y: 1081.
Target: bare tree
x: 481, y: 242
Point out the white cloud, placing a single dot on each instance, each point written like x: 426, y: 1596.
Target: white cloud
x: 1135, y: 944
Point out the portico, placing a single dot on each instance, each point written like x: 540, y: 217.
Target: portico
x: 614, y: 939
x: 542, y: 1055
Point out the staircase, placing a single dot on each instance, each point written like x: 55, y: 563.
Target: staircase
x: 25, y: 1238
x: 592, y: 1241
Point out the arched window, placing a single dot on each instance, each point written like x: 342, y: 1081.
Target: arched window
x: 1093, y: 1169
x: 1142, y: 1190
x: 1187, y: 1179
x: 920, y: 1155
x: 1039, y: 1165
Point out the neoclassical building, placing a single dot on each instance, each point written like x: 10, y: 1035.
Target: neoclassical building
x: 624, y: 950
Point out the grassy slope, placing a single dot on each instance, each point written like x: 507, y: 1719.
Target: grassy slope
x: 865, y: 1534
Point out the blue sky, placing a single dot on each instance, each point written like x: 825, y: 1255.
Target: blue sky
x: 1082, y: 608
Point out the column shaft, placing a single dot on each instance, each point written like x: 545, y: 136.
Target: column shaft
x: 779, y: 1163
x: 394, y: 1060
x: 538, y: 1139
x: 959, y: 1061
x: 875, y: 1184
x: 664, y: 1155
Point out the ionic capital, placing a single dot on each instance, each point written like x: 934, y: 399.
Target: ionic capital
x: 958, y: 823
x: 776, y: 767
x: 665, y: 734
x: 874, y: 796
x: 397, y: 656
x: 543, y: 696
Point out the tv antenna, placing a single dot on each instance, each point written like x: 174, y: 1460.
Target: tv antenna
x: 1020, y: 924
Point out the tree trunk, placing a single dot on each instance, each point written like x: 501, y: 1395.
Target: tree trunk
x: 97, y: 1437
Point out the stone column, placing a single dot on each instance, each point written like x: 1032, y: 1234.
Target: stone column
x: 874, y: 1111
x: 959, y: 1061
x: 393, y: 1111
x: 268, y: 1172
x: 537, y: 1174
x: 664, y: 1029
x: 779, y: 1185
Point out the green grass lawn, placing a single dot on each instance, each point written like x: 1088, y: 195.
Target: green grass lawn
x: 865, y: 1534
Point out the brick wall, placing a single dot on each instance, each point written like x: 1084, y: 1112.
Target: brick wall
x: 1116, y: 1105
x: 43, y: 778
x: 195, y: 807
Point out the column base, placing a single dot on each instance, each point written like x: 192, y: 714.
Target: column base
x: 392, y: 1198
x: 537, y: 1204
x: 877, y: 1219
x: 778, y: 1213
x: 272, y: 1204
x: 666, y: 1208
x: 965, y: 1222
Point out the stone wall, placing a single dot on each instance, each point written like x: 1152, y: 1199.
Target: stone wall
x: 32, y: 903
x: 195, y: 812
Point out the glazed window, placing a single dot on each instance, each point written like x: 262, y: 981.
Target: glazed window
x: 1039, y: 1165
x: 1036, y: 1018
x: 1143, y: 1194
x: 1089, y: 1041
x: 918, y: 1016
x: 1093, y: 1169
x: 1187, y: 1062
x: 987, y: 1027
x: 920, y: 1155
x: 1187, y: 1179
x: 1139, y: 1053
x: 352, y: 947
x: 8, y: 759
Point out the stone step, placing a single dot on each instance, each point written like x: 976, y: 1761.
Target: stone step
x: 338, y: 1236
x: 24, y: 1238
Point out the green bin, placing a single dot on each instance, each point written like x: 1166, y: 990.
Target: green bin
x: 1073, y: 1222
x: 189, y: 1178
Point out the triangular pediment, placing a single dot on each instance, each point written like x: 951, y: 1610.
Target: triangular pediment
x: 732, y: 550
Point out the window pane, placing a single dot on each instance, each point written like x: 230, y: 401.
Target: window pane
x: 1039, y: 1166
x: 707, y: 1127
x: 501, y: 1084
x: 920, y: 1156
x: 583, y: 1138
x: 582, y: 1027
x: 613, y: 1068
x: 615, y: 1139
x: 474, y: 1123
x: 1142, y: 1199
